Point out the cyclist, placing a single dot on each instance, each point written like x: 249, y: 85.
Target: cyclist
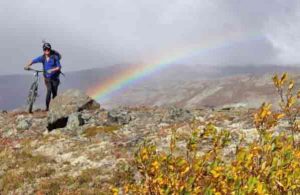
x: 52, y: 69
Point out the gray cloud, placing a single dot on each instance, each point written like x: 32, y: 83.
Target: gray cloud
x: 97, y: 33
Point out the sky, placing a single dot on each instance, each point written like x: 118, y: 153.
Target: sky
x: 100, y: 33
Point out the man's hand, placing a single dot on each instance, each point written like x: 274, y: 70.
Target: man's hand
x: 52, y: 70
x: 49, y: 71
x: 27, y: 67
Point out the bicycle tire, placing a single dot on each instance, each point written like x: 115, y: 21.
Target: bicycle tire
x: 32, y: 96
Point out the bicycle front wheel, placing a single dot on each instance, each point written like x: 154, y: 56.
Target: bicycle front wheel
x: 32, y: 96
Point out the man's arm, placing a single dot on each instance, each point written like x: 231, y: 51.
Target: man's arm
x: 54, y: 70
x: 34, y: 61
x: 57, y: 68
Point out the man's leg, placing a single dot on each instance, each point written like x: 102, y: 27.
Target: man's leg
x: 48, y: 95
x: 55, y: 84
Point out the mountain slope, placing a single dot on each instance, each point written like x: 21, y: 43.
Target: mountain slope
x: 185, y: 86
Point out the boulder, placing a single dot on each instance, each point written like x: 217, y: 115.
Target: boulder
x: 119, y: 116
x: 75, y: 120
x: 67, y: 103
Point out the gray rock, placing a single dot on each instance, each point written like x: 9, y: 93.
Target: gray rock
x: 67, y: 103
x: 178, y: 115
x: 3, y: 111
x: 119, y: 116
x: 75, y: 120
x: 23, y: 124
x: 86, y: 116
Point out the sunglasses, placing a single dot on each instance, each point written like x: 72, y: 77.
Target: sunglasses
x: 46, y: 49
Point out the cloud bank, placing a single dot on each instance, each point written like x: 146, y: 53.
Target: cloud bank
x: 99, y: 33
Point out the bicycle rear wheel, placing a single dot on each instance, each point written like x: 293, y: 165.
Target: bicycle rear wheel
x: 32, y: 96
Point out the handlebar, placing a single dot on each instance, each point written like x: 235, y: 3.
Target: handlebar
x: 31, y: 69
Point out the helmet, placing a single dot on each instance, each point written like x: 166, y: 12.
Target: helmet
x: 46, y: 46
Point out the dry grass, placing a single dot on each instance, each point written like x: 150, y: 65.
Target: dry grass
x: 22, y: 167
x: 93, y: 131
x: 89, y: 182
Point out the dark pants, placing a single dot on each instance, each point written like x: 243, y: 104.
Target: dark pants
x: 52, y: 87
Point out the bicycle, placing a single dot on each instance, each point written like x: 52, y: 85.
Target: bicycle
x: 33, y: 91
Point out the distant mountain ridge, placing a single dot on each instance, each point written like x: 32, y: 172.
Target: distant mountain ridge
x: 184, y: 86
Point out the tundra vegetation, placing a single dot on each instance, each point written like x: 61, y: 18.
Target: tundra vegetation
x: 197, y: 156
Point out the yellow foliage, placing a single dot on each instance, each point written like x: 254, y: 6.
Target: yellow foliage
x: 288, y: 101
x: 273, y: 167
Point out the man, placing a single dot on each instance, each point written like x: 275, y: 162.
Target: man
x: 52, y: 70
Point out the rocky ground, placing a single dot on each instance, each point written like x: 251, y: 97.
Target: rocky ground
x: 81, y: 148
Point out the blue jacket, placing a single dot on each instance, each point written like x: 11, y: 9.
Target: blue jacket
x: 53, y: 62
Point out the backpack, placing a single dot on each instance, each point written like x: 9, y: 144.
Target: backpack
x: 56, y: 53
x: 56, y: 56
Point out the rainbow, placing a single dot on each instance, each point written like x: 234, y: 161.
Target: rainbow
x: 104, y: 90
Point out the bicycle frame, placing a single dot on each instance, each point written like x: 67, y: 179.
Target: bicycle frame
x: 36, y: 77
